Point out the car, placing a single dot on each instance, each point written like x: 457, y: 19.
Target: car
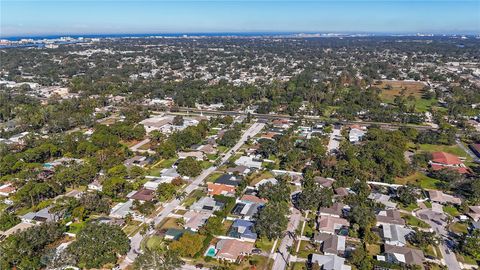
x: 256, y: 251
x: 447, y: 251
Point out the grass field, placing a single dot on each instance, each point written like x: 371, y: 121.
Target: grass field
x: 452, y: 149
x: 213, y: 176
x: 264, y: 244
x: 452, y: 211
x: 420, y: 180
x: 257, y: 177
x: 413, y: 221
x: 411, y: 88
x: 459, y: 227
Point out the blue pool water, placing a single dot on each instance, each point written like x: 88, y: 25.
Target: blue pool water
x: 211, y: 252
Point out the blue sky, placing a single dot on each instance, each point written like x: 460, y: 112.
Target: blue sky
x: 40, y: 17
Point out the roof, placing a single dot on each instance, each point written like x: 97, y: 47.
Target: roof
x: 440, y: 197
x: 474, y: 212
x: 7, y: 188
x: 330, y: 262
x: 324, y: 182
x: 341, y: 192
x: 330, y: 243
x: 409, y: 255
x: 194, y: 154
x: 206, y: 204
x: 330, y: 224
x: 174, y: 233
x: 227, y: 179
x: 194, y: 220
x: 232, y: 249
x: 445, y: 158
x: 252, y: 199
x: 17, y: 228
x: 220, y: 189
x: 390, y: 216
x: 242, y: 229
x: 143, y: 195
x: 335, y: 209
x: 239, y: 169
x: 395, y: 234
x: 459, y: 169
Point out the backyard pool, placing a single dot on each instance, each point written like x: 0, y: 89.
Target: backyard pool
x: 211, y: 251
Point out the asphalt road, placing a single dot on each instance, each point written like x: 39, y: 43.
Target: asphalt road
x: 136, y: 240
x: 283, y: 255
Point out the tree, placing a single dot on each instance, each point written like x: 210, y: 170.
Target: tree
x: 213, y: 226
x: 178, y: 120
x: 8, y: 220
x: 167, y: 149
x: 158, y: 259
x: 423, y: 239
x: 189, y: 167
x: 230, y: 138
x: 165, y: 191
x: 119, y: 171
x: 470, y: 244
x: 115, y: 186
x: 313, y: 196
x: 271, y: 221
x: 407, y: 195
x: 275, y: 192
x: 98, y: 244
x: 188, y: 245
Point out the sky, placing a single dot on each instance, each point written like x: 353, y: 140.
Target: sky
x: 43, y: 17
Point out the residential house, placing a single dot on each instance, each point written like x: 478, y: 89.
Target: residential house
x: 383, y: 199
x: 207, y: 149
x: 7, y: 189
x: 139, y: 161
x: 442, y: 198
x: 240, y: 170
x: 397, y: 254
x: 173, y: 234
x: 40, y: 216
x: 95, y: 185
x: 336, y: 210
x: 248, y: 162
x: 331, y: 244
x: 243, y: 229
x: 329, y: 262
x: 474, y: 212
x: 356, y: 134
x: 233, y: 250
x: 226, y: 184
x: 144, y: 195
x: 394, y: 234
x: 123, y: 209
x: 330, y: 224
x: 265, y: 181
x: 324, y: 182
x: 194, y: 154
x: 207, y: 204
x: 194, y: 219
x: 443, y: 160
x: 15, y: 229
x: 390, y: 216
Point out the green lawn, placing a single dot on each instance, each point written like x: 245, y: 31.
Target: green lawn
x: 75, y: 227
x: 409, y: 207
x: 459, y: 227
x: 373, y: 249
x: 193, y: 197
x: 306, y: 248
x: 213, y: 176
x: 298, y: 266
x: 451, y: 210
x: 420, y: 180
x: 264, y: 244
x: 414, y: 221
x: 154, y: 241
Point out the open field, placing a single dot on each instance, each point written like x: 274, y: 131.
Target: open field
x: 418, y: 179
x: 452, y: 149
x: 392, y: 89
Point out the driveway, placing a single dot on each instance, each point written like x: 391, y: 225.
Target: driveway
x: 136, y: 240
x: 334, y: 142
x: 283, y: 256
x: 438, y: 226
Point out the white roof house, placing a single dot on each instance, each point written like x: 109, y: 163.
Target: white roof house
x: 330, y: 262
x: 248, y: 162
x: 356, y: 135
x: 394, y: 234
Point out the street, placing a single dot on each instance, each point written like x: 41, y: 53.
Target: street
x: 283, y: 254
x: 136, y: 240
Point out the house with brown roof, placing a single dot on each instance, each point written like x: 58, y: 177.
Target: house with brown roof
x: 390, y: 216
x: 330, y: 224
x: 440, y: 197
x: 224, y: 185
x: 194, y: 220
x: 331, y: 244
x: 341, y: 192
x: 336, y: 210
x: 7, y: 189
x: 443, y: 160
x: 233, y: 250
x: 409, y: 256
x: 194, y: 154
x: 474, y: 212
x: 207, y: 149
x: 144, y: 195
x: 324, y: 182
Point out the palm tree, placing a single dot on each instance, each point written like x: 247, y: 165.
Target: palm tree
x: 180, y: 195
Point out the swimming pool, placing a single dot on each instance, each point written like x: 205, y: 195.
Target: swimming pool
x: 211, y: 251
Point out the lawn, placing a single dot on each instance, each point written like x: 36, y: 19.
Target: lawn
x: 459, y: 227
x: 452, y: 149
x: 452, y: 211
x: 132, y: 227
x: 76, y: 227
x: 206, y: 164
x: 465, y: 259
x: 264, y: 244
x: 193, y: 197
x: 298, y: 266
x: 411, y: 88
x: 373, y: 249
x: 306, y: 248
x: 154, y: 241
x: 414, y: 221
x: 169, y: 223
x: 257, y: 177
x: 420, y: 180
x: 213, y: 176
x: 409, y: 207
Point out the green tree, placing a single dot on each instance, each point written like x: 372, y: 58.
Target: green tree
x: 8, y: 220
x: 188, y: 245
x: 165, y: 191
x: 271, y: 221
x: 158, y: 259
x: 189, y: 167
x: 98, y: 244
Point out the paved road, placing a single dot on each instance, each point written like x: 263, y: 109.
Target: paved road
x: 449, y: 258
x: 466, y: 149
x: 334, y: 142
x: 283, y: 256
x: 136, y: 240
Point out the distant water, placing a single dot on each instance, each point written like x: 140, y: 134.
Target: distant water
x: 126, y: 35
